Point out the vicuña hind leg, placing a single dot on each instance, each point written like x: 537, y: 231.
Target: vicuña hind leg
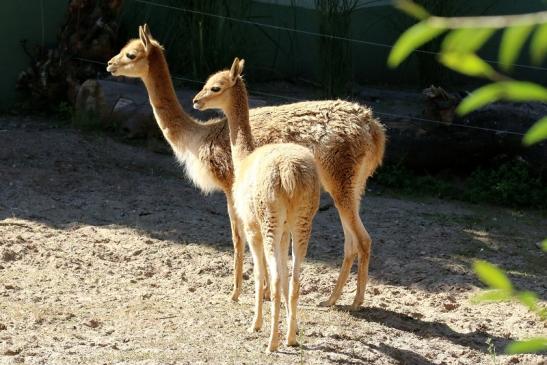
x: 276, y: 260
x: 284, y: 272
x: 349, y: 256
x: 364, y: 245
x: 267, y: 293
x: 301, y: 237
x: 357, y: 243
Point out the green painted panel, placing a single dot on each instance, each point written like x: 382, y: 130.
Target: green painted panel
x: 37, y: 21
x: 282, y: 54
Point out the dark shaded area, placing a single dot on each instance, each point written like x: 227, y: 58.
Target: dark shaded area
x: 63, y: 178
x: 404, y: 356
x: 475, y: 340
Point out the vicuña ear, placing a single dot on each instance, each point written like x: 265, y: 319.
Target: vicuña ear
x: 241, y: 65
x: 147, y: 32
x: 234, y: 70
x: 144, y: 35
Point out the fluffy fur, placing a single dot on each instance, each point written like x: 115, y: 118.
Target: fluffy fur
x: 345, y: 139
x: 276, y: 191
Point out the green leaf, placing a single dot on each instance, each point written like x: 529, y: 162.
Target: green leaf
x: 466, y: 40
x: 537, y: 344
x: 537, y: 133
x: 504, y: 90
x: 538, y: 45
x: 544, y: 246
x: 412, y: 9
x: 529, y: 299
x: 492, y: 276
x: 467, y: 63
x: 411, y: 39
x: 511, y: 43
x: 496, y: 295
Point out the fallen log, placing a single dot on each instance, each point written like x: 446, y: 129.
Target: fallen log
x: 426, y: 135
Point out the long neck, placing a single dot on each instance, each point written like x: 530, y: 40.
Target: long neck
x: 170, y: 116
x: 241, y: 139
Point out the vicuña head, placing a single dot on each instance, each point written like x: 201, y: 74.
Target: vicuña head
x: 133, y: 59
x: 216, y: 94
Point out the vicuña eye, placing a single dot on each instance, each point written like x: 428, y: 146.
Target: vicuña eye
x: 131, y: 56
x: 215, y: 89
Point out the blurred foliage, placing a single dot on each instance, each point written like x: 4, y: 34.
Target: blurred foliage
x: 430, y: 71
x: 501, y: 289
x: 201, y: 44
x: 465, y: 37
x: 511, y: 184
x: 65, y: 111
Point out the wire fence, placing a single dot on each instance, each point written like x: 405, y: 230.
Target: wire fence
x: 309, y: 33
x: 402, y: 117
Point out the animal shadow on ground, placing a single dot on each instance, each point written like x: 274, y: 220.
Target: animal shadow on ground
x: 404, y: 356
x: 475, y: 340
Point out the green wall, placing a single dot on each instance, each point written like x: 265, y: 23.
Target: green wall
x: 23, y: 20
x: 275, y: 54
x: 270, y: 53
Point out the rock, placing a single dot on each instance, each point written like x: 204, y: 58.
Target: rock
x: 424, y: 134
x: 3, y: 327
x: 9, y: 255
x: 92, y: 323
x: 449, y: 306
x: 10, y: 352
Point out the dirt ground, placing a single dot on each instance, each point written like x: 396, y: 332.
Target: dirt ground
x: 108, y: 256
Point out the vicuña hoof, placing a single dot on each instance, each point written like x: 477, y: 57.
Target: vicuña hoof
x: 356, y: 306
x: 326, y: 303
x: 292, y: 342
x: 256, y: 326
x: 273, y: 346
x: 234, y: 297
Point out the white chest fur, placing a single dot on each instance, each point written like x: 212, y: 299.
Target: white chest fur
x: 198, y: 172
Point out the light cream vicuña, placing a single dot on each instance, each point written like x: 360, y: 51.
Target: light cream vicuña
x: 346, y: 140
x: 276, y: 191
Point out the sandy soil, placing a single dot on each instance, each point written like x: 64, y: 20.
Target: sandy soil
x: 108, y: 256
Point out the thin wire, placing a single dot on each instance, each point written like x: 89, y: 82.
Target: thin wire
x: 452, y: 124
x: 331, y: 36
x: 292, y: 98
x: 89, y: 61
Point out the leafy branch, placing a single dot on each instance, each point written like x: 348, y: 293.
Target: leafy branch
x: 464, y: 37
x: 501, y: 289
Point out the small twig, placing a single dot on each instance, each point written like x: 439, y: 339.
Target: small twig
x: 498, y: 22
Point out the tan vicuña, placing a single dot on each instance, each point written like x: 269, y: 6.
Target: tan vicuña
x: 344, y: 137
x: 276, y: 191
